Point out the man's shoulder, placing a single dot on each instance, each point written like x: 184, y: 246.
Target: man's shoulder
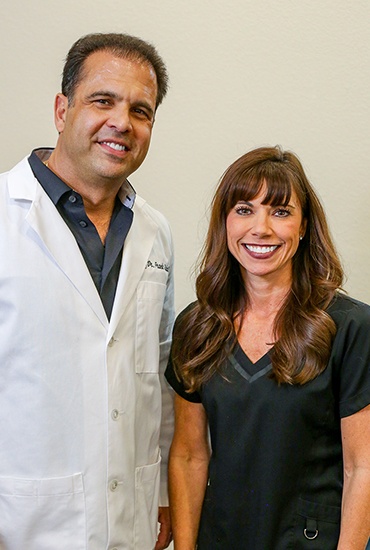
x: 20, y: 165
x: 155, y: 215
x: 19, y: 180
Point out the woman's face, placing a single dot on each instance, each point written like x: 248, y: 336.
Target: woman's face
x: 264, y: 238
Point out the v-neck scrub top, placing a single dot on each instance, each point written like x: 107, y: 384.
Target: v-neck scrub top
x: 276, y: 469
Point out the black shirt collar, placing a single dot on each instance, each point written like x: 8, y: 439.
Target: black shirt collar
x: 55, y: 187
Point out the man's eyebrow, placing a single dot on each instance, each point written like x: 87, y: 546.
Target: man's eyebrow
x: 144, y: 105
x: 105, y: 93
x: 114, y: 95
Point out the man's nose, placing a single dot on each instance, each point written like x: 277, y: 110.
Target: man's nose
x: 120, y: 119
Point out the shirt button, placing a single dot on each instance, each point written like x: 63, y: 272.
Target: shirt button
x: 115, y: 414
x: 111, y: 342
x: 72, y: 198
x: 113, y: 485
x: 82, y: 223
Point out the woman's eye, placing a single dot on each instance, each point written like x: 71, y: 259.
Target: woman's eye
x: 282, y: 213
x: 243, y: 210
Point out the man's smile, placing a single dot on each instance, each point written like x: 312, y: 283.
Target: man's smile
x: 115, y: 146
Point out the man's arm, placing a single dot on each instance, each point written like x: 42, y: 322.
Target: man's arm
x: 165, y: 533
x: 167, y: 419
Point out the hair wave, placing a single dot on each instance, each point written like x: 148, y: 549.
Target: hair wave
x: 303, y: 332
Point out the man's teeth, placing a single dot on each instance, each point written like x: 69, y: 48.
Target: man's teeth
x: 115, y: 146
x: 261, y: 249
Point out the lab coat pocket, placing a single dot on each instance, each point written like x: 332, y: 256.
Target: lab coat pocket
x: 40, y: 514
x: 150, y: 299
x: 317, y: 526
x: 146, y: 505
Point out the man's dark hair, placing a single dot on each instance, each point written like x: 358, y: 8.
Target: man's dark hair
x: 120, y: 45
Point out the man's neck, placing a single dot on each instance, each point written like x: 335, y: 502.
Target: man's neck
x: 98, y: 200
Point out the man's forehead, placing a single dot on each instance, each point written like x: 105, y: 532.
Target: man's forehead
x: 105, y: 66
x: 109, y: 60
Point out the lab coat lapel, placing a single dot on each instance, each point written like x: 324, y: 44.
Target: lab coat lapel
x: 58, y: 241
x: 136, y: 251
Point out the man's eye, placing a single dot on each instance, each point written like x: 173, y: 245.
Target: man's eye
x: 141, y: 113
x: 102, y: 101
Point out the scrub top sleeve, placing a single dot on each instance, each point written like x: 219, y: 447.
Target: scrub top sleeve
x: 352, y: 356
x: 170, y: 374
x: 178, y: 386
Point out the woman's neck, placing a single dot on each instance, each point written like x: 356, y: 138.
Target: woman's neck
x: 266, y: 297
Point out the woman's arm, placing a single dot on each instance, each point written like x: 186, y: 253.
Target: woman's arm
x: 188, y: 471
x: 355, y: 523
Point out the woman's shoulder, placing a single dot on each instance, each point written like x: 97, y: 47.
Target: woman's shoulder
x: 345, y: 309
x: 350, y: 356
x: 186, y: 310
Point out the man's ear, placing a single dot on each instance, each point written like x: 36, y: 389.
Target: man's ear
x: 60, y: 111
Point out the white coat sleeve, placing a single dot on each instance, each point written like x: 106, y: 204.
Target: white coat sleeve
x: 167, y: 421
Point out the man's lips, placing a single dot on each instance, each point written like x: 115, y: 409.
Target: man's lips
x: 115, y: 145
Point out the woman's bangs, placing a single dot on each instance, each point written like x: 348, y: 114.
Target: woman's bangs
x: 278, y: 190
x: 248, y: 186
x: 244, y: 188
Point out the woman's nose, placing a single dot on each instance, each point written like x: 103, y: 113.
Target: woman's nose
x: 261, y: 224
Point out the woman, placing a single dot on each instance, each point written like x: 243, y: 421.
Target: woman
x: 275, y: 361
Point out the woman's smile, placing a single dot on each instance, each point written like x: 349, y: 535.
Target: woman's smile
x: 264, y: 238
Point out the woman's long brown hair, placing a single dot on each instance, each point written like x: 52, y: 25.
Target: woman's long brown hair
x: 204, y: 335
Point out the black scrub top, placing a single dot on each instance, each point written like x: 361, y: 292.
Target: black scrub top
x: 276, y: 469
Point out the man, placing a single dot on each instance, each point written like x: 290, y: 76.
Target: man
x: 86, y: 310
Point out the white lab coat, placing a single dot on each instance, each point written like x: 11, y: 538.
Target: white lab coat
x: 80, y: 397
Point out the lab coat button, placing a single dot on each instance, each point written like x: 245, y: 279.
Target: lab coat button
x: 111, y: 342
x: 113, y: 485
x: 115, y: 414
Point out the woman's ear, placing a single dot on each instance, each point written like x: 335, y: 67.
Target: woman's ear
x: 302, y: 231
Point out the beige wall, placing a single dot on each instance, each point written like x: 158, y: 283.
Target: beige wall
x: 243, y: 74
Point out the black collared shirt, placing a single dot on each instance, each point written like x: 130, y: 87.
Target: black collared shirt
x: 103, y: 261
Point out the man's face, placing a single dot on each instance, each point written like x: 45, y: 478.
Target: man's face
x: 105, y: 131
